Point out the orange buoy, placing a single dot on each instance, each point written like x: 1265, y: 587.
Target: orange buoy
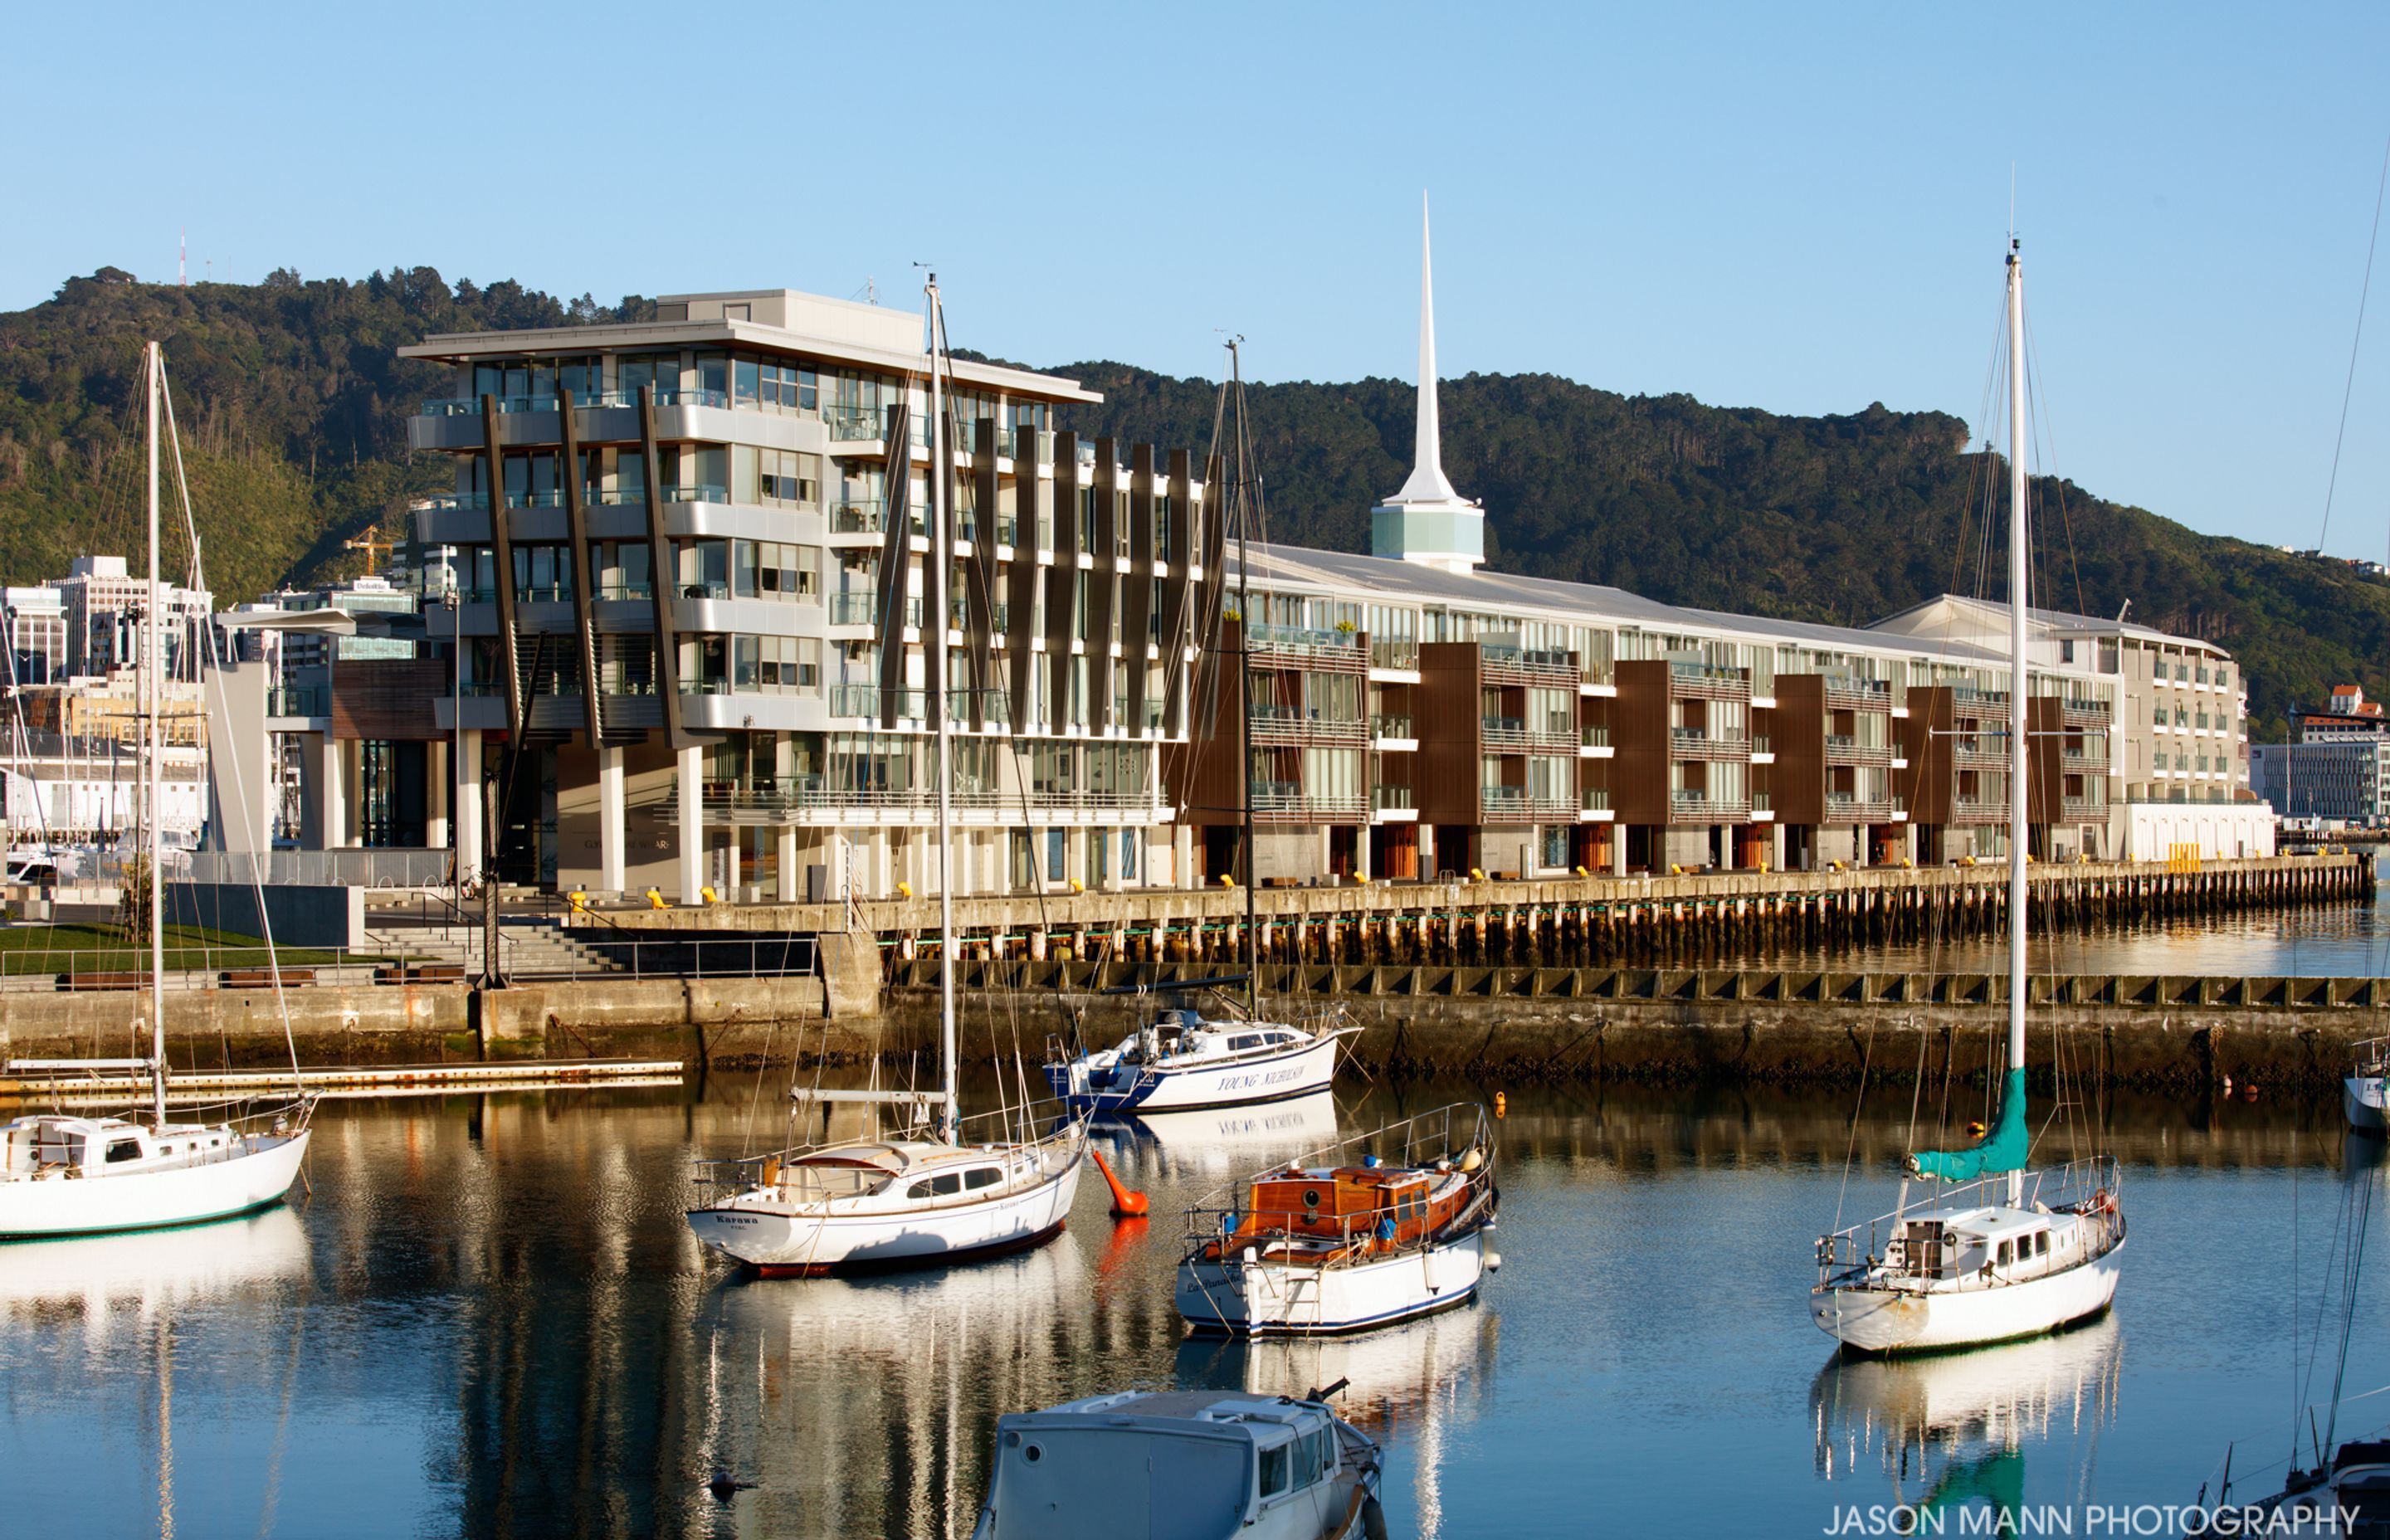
x: 1501, y: 1104
x: 1126, y: 1204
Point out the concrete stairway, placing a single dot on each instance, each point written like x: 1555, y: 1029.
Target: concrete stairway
x: 528, y: 948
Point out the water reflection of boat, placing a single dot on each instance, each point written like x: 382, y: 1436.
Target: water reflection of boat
x: 925, y: 1361
x: 156, y: 1268
x: 1223, y: 1137
x: 1411, y: 1382
x: 1945, y: 1427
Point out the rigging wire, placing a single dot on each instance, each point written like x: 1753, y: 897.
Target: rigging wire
x: 2349, y: 385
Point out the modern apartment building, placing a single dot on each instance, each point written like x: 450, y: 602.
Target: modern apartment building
x: 691, y: 573
x: 2343, y: 781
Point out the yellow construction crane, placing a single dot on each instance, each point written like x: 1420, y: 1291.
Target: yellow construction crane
x: 375, y: 547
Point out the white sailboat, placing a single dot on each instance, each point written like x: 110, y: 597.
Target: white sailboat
x: 2000, y: 1253
x: 936, y: 1194
x: 65, y: 1175
x: 1376, y: 1230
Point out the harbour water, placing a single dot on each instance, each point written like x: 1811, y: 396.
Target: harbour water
x: 488, y: 1318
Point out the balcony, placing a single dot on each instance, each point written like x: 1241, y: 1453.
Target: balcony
x: 1968, y: 701
x: 1286, y: 802
x: 1988, y: 752
x: 1302, y: 647
x: 849, y: 424
x: 1593, y: 799
x: 1512, y: 734
x: 1512, y: 804
x: 2083, y: 713
x: 1393, y: 799
x: 2084, y: 758
x: 859, y: 516
x: 1699, y: 743
x: 1843, y: 749
x: 1978, y: 810
x: 1858, y: 694
x: 1499, y: 663
x: 1400, y: 653
x: 1699, y: 807
x: 864, y: 701
x: 1842, y: 807
x: 1276, y: 725
x: 1396, y: 729
x: 1707, y: 682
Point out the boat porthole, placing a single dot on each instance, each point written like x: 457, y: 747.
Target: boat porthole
x: 1311, y: 1198
x: 1033, y: 1453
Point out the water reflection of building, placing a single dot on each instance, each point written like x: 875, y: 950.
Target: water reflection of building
x: 1948, y: 1428
x: 1404, y: 1386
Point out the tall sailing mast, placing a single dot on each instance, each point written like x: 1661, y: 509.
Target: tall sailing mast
x: 1239, y: 504
x: 941, y: 558
x: 153, y: 657
x: 2019, y: 814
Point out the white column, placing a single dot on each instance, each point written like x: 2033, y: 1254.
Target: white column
x: 1617, y: 848
x: 435, y: 794
x: 692, y: 824
x: 336, y: 793
x: 1182, y: 857
x: 466, y: 797
x: 1364, y: 838
x: 789, y: 891
x: 734, y: 847
x: 611, y: 818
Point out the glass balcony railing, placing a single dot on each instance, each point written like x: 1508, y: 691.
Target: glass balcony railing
x: 1593, y: 735
x: 1593, y: 799
x: 299, y: 701
x: 859, y: 516
x: 853, y: 609
x: 854, y: 424
x: 543, y: 593
x: 1384, y: 725
x: 621, y: 589
x: 1401, y: 652
x: 1393, y: 799
x: 711, y: 589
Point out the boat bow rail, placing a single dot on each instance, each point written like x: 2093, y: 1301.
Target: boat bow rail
x: 1873, y: 1253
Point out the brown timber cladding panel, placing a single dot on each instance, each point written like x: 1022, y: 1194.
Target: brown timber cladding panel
x: 388, y: 699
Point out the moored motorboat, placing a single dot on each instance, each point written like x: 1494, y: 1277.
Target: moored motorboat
x: 1180, y: 1060
x: 1381, y: 1228
x: 1190, y: 1465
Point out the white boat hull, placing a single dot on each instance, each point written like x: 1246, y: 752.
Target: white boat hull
x: 2363, y: 1097
x: 1266, y: 1299
x: 1899, y: 1320
x: 1163, y: 1088
x: 804, y: 1239
x: 41, y: 1208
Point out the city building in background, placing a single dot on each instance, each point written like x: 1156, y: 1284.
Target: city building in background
x: 2336, y: 782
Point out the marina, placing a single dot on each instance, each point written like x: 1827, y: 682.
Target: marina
x: 492, y: 1316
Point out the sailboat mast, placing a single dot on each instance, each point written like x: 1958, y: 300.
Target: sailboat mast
x: 941, y: 558
x: 2018, y: 813
x: 1239, y: 501
x: 153, y: 657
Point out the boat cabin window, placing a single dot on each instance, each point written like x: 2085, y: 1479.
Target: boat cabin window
x: 123, y: 1150
x: 1238, y: 1045
x: 1274, y: 1466
x: 1310, y: 1458
x: 2041, y: 1244
x: 2007, y: 1252
x: 943, y: 1184
x: 981, y: 1177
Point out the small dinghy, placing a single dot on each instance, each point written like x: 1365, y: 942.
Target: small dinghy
x: 1183, y: 1465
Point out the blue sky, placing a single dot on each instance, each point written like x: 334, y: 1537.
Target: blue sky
x: 1756, y: 205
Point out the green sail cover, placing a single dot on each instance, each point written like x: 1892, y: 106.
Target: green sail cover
x: 2004, y: 1148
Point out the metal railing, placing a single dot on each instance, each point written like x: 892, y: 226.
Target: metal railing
x: 1874, y: 1253
x: 336, y: 869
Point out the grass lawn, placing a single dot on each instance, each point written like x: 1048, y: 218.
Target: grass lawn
x: 103, y: 949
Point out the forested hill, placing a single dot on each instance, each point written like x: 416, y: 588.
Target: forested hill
x: 293, y: 408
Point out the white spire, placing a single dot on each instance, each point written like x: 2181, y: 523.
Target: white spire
x: 1427, y: 483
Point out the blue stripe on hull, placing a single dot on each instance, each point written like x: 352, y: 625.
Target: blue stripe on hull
x: 1215, y: 1325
